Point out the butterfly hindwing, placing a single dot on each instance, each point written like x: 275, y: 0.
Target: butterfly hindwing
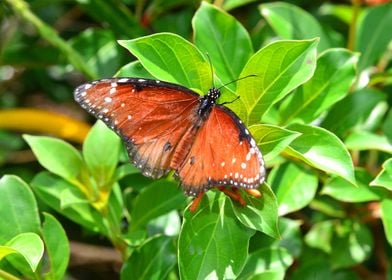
x: 223, y: 153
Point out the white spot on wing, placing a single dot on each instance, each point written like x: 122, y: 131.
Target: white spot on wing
x: 243, y: 165
x: 233, y: 160
x: 108, y: 99
x: 112, y: 90
x: 222, y: 163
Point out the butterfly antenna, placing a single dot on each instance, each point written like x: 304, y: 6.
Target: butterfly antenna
x: 212, y: 70
x: 239, y: 79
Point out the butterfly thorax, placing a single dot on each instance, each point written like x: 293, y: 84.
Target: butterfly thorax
x: 207, y: 102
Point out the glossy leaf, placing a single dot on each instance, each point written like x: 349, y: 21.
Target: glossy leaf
x: 373, y: 34
x: 48, y: 152
x: 363, y: 140
x: 215, y: 32
x: 292, y: 23
x: 294, y: 186
x: 161, y: 53
x: 101, y: 152
x: 28, y: 245
x: 57, y: 246
x: 154, y: 260
x: 260, y: 213
x: 384, y: 178
x: 334, y: 75
x: 18, y: 208
x: 323, y: 150
x: 344, y: 191
x: 155, y: 200
x: 361, y: 103
x: 272, y: 139
x: 279, y: 68
x: 212, y: 243
x: 265, y: 261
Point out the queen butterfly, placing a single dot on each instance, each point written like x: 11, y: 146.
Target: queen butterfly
x: 169, y: 127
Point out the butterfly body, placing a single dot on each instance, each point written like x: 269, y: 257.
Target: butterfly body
x: 169, y: 127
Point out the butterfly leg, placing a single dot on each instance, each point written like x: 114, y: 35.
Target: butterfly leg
x: 196, y: 202
x: 234, y: 194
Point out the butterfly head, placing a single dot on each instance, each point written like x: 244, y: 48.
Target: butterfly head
x: 208, y: 101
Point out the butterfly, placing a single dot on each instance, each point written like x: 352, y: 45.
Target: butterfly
x: 170, y: 127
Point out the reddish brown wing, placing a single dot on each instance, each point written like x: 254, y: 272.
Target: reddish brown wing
x: 223, y: 153
x: 152, y: 117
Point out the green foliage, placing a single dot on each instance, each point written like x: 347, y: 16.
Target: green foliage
x: 320, y: 113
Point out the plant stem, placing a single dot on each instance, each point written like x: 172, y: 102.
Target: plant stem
x: 7, y: 276
x: 352, y: 33
x: 21, y: 8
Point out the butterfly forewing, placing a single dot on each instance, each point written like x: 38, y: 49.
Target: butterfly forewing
x: 223, y: 153
x: 151, y: 116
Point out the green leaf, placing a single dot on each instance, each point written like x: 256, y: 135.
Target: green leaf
x: 100, y: 50
x: 29, y: 245
x: 134, y: 69
x: 155, y: 200
x: 18, y: 208
x: 361, y: 103
x: 266, y: 260
x: 272, y: 139
x: 232, y: 4
x: 364, y: 140
x: 387, y: 125
x: 344, y: 191
x: 212, y: 243
x: 50, y: 187
x: 320, y: 236
x: 292, y: 23
x: 386, y: 218
x: 384, y: 178
x: 57, y: 156
x: 154, y: 260
x: 101, y: 150
x: 323, y: 150
x: 216, y: 32
x: 279, y: 68
x: 373, y: 34
x: 161, y: 53
x: 294, y: 186
x: 57, y: 246
x: 116, y: 14
x: 260, y: 213
x: 347, y: 242
x: 290, y: 231
x: 352, y: 243
x: 334, y: 75
x: 168, y: 224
